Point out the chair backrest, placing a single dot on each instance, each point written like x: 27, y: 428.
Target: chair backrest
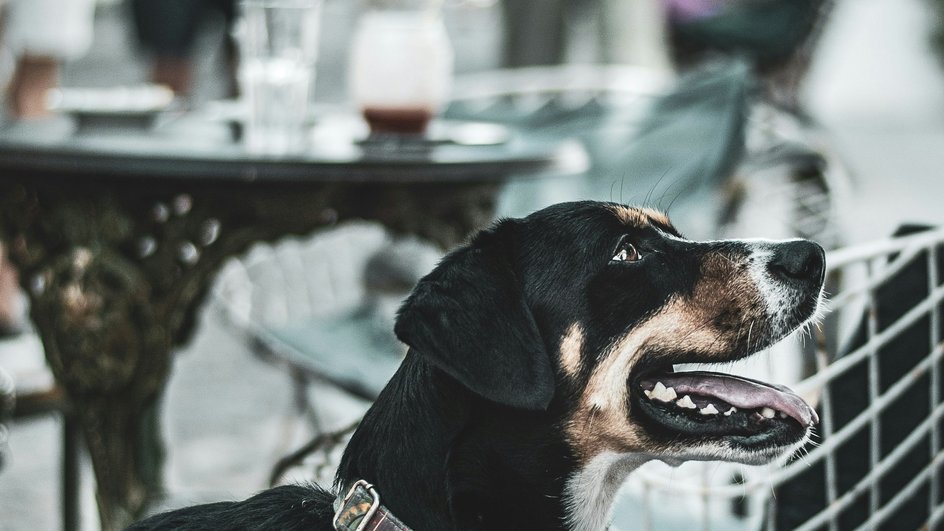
x: 298, y: 278
x: 655, y: 140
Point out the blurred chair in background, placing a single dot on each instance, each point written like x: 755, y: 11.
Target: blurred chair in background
x: 323, y: 309
x: 650, y: 141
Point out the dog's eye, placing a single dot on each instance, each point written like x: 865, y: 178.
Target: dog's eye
x: 627, y: 253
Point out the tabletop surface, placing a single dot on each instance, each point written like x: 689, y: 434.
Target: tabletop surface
x: 203, y: 145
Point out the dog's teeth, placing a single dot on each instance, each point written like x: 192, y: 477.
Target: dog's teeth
x: 781, y: 414
x: 686, y: 402
x: 708, y: 410
x: 730, y: 411
x: 648, y: 393
x: 767, y: 413
x: 662, y: 393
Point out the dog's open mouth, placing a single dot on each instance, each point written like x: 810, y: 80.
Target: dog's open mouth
x: 746, y: 412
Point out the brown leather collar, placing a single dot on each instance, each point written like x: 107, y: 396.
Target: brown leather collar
x: 360, y: 510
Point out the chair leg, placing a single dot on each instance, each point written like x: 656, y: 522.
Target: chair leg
x: 71, y: 445
x: 303, y: 405
x: 300, y: 412
x: 324, y: 442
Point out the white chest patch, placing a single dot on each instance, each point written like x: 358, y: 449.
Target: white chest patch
x: 590, y: 492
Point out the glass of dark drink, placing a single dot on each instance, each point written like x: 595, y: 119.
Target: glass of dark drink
x: 397, y: 121
x: 401, y: 65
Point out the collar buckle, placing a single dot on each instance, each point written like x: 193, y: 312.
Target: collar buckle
x: 349, y: 513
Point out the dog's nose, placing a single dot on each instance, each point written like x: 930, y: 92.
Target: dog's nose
x: 798, y: 260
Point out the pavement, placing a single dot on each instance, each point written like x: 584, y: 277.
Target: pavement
x: 874, y: 86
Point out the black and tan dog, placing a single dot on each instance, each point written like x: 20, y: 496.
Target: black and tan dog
x: 540, y: 374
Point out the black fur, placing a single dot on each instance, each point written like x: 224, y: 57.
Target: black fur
x: 291, y: 507
x: 470, y: 319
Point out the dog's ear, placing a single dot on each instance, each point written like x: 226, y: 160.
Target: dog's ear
x: 469, y: 318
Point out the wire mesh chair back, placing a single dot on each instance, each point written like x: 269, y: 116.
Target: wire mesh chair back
x: 875, y: 461
x: 298, y: 278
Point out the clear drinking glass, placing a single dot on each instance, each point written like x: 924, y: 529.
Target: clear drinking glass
x: 401, y: 65
x: 278, y: 42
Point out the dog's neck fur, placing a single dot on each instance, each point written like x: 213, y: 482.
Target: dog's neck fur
x: 402, y: 444
x: 591, y: 491
x: 429, y: 445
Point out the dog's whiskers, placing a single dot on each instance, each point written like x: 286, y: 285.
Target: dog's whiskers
x: 749, y: 331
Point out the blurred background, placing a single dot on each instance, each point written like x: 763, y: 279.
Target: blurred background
x: 759, y: 118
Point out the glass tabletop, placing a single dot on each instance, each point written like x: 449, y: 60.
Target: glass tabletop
x: 204, y: 144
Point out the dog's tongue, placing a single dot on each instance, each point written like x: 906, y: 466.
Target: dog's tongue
x: 741, y: 393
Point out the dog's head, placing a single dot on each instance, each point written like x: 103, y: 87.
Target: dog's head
x: 584, y: 308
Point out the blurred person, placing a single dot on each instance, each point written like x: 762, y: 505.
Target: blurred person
x: 41, y: 34
x: 168, y: 29
x: 535, y: 31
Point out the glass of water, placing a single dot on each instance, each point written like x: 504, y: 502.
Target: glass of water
x: 278, y: 42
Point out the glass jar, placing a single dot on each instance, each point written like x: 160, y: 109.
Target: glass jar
x: 401, y: 65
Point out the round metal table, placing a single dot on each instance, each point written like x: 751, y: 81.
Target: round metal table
x: 117, y: 233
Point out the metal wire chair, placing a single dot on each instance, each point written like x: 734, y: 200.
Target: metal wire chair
x: 322, y: 309
x: 277, y: 290
x: 876, y: 464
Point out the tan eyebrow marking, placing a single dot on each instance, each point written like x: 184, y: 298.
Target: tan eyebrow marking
x: 657, y: 216
x: 631, y: 216
x: 640, y: 217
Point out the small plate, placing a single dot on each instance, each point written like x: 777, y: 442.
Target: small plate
x: 478, y: 134
x: 117, y: 107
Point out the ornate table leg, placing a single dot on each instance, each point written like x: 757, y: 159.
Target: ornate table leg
x: 115, y: 275
x: 112, y: 280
